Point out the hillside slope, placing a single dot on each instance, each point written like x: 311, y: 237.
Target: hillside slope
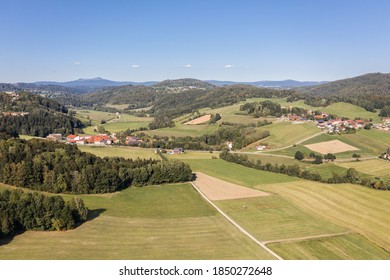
x: 26, y: 113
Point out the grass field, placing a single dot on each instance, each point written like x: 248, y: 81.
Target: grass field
x: 193, y: 155
x: 273, y: 217
x: 363, y: 210
x: 304, y: 208
x: 369, y: 142
x: 345, y: 247
x: 166, y: 222
x: 114, y: 123
x: 375, y: 167
x: 125, y: 152
x: 285, y: 133
x: 235, y: 173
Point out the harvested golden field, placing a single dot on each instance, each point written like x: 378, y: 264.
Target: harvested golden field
x: 199, y: 120
x: 216, y: 189
x: 333, y: 146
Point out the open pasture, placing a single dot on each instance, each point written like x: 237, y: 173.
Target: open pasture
x: 344, y: 247
x: 360, y: 209
x: 273, y: 217
x: 371, y: 143
x: 156, y: 222
x: 236, y: 173
x: 283, y: 134
x: 375, y: 167
x: 125, y: 152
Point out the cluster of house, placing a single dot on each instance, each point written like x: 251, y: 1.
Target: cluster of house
x: 100, y: 140
x: 385, y: 125
x: 339, y: 125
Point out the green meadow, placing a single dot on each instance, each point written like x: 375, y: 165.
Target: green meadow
x: 155, y: 222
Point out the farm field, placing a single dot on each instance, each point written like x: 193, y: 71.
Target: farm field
x: 114, y: 123
x: 371, y: 143
x: 217, y: 189
x: 344, y: 247
x: 273, y: 217
x: 362, y: 210
x: 285, y: 133
x: 333, y: 146
x: 302, y: 208
x: 125, y: 152
x: 235, y: 173
x: 375, y: 167
x: 131, y: 225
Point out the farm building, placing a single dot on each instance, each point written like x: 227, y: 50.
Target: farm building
x: 54, y: 137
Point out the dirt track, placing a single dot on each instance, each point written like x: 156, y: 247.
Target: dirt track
x: 216, y: 189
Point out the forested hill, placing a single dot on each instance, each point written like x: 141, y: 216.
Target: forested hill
x: 140, y: 96
x: 184, y: 83
x: 26, y: 113
x: 175, y: 104
x: 137, y: 96
x: 40, y: 89
x: 370, y: 91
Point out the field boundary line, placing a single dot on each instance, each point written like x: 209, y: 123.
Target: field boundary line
x: 307, y: 237
x: 261, y: 244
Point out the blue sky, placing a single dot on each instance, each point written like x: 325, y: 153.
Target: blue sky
x: 225, y: 40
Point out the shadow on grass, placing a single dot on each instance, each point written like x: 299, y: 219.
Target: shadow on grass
x: 8, y: 239
x: 93, y: 214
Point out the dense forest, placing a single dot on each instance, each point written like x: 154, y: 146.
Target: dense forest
x: 59, y: 168
x: 32, y: 211
x: 30, y: 114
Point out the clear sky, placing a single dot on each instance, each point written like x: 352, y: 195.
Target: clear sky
x: 238, y: 40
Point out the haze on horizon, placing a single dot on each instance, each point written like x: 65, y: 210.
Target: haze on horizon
x: 208, y: 40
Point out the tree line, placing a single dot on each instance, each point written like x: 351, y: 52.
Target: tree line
x: 33, y: 211
x: 60, y: 168
x: 269, y: 108
x: 350, y: 176
x: 240, y: 135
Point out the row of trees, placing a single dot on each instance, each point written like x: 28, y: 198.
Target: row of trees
x: 60, y: 168
x: 317, y: 159
x: 351, y: 175
x: 32, y: 211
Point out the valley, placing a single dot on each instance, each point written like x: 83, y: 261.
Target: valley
x: 336, y: 208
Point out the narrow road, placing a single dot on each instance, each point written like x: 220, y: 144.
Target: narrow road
x: 261, y: 244
x: 307, y: 237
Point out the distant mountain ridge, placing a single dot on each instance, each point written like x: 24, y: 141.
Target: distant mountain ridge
x: 98, y: 83
x: 274, y: 84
